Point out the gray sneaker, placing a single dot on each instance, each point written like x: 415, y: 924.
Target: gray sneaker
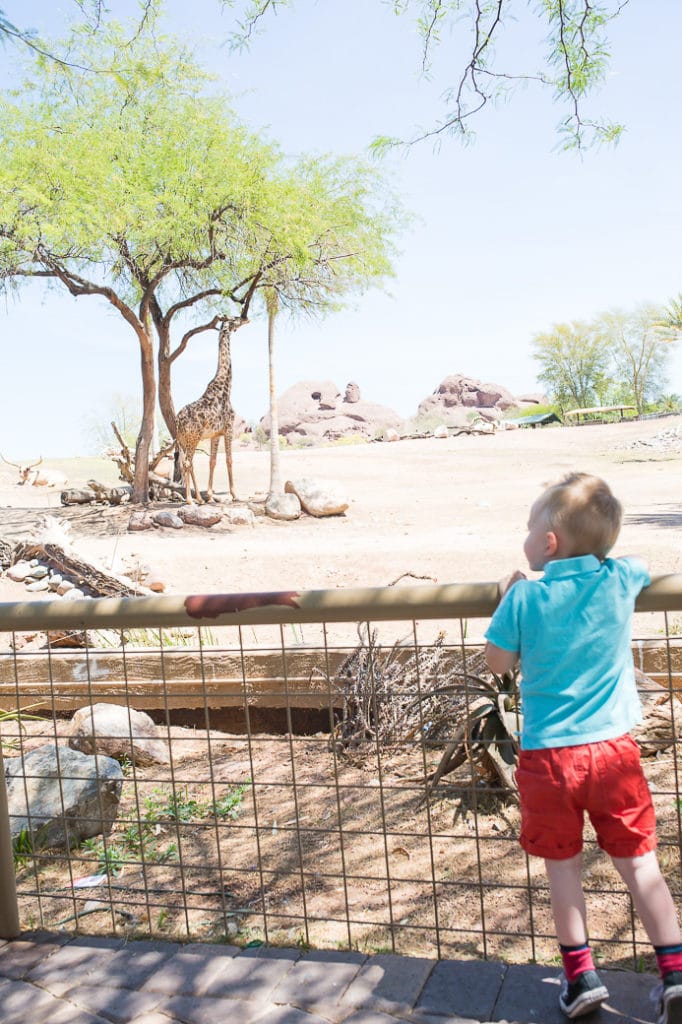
x: 584, y: 995
x: 670, y: 993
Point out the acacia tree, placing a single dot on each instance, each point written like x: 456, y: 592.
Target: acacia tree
x: 574, y: 64
x: 638, y: 351
x: 620, y: 356
x: 138, y: 188
x: 574, y: 362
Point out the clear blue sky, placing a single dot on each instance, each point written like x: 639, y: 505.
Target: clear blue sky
x: 511, y: 235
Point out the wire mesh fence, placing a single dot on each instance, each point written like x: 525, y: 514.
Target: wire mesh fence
x: 329, y: 768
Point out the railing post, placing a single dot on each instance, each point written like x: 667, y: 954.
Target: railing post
x: 9, y: 908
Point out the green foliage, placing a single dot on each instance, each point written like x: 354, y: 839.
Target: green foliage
x: 532, y: 410
x: 22, y: 848
x: 147, y: 840
x: 110, y: 856
x: 639, y: 353
x: 487, y: 735
x: 228, y: 806
x: 573, y: 364
x: 348, y: 439
x: 619, y: 357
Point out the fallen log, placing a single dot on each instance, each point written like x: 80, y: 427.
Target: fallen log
x: 91, y: 580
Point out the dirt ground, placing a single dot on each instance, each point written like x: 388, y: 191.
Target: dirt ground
x: 454, y: 509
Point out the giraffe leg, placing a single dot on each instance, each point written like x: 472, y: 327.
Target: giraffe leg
x: 190, y: 478
x: 185, y: 465
x: 200, y: 500
x: 211, y: 467
x: 228, y: 458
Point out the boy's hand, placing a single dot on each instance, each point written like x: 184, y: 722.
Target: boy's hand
x: 508, y: 581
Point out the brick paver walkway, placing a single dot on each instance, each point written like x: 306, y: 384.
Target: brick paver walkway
x: 56, y: 979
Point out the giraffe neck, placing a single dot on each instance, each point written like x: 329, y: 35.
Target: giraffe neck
x: 223, y: 375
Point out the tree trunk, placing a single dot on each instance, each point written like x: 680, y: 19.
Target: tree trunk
x: 275, y: 469
x: 140, y: 493
x: 164, y: 369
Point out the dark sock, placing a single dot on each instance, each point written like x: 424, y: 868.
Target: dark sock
x: 577, y: 960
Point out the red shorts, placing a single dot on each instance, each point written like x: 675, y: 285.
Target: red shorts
x: 558, y: 785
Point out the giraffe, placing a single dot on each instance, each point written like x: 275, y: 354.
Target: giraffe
x: 209, y: 417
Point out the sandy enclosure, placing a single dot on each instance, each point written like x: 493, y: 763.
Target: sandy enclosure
x: 452, y: 509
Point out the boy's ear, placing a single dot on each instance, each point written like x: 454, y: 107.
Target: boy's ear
x: 551, y: 543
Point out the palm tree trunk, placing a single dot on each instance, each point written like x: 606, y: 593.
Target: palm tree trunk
x: 275, y: 470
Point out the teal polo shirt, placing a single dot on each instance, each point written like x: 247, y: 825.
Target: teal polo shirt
x: 572, y: 630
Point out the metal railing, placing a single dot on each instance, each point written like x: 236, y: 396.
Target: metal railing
x: 291, y: 796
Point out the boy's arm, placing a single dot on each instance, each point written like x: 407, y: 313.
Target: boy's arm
x: 498, y: 660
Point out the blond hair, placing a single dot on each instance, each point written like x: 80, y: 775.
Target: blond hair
x: 582, y: 508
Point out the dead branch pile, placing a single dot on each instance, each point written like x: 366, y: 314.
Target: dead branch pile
x: 160, y: 487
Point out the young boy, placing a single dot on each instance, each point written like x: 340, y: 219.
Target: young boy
x: 571, y: 630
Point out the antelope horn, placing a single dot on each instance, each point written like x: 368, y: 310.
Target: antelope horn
x: 32, y: 465
x: 15, y: 464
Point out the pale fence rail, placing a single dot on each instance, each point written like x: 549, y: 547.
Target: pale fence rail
x: 265, y: 825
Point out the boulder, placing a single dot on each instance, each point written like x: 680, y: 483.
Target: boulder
x: 20, y: 571
x: 168, y: 519
x: 316, y: 410
x: 318, y: 497
x: 283, y: 506
x: 239, y: 516
x: 200, y: 515
x: 140, y: 521
x: 458, y: 399
x: 117, y: 731
x: 60, y: 796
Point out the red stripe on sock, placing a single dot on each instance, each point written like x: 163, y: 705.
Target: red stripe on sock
x: 577, y: 961
x: 668, y: 962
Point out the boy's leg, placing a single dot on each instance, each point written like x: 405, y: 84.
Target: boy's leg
x: 581, y: 991
x: 651, y: 897
x: 568, y: 900
x: 656, y: 910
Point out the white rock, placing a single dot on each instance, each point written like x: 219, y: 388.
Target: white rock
x: 54, y: 581
x: 74, y: 594
x: 441, y: 431
x: 283, y: 506
x: 117, y: 731
x: 318, y: 497
x: 38, y: 585
x: 391, y: 435
x: 19, y: 571
x: 239, y: 517
x: 39, y: 572
x: 65, y: 586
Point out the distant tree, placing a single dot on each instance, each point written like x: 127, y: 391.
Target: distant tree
x: 574, y: 362
x: 575, y: 61
x: 123, y: 410
x: 639, y: 353
x: 672, y: 315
